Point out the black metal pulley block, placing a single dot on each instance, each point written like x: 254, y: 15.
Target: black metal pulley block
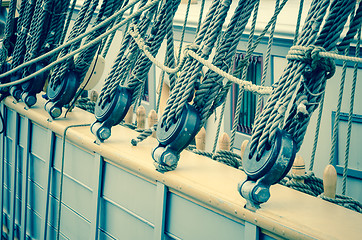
x: 35, y: 85
x: 61, y: 93
x: 4, y: 68
x: 273, y: 166
x: 111, y: 113
x: 175, y: 138
x: 16, y: 90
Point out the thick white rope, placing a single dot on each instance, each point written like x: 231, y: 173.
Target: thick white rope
x: 300, y: 50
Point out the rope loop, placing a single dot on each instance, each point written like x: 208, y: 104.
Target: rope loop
x: 312, y: 56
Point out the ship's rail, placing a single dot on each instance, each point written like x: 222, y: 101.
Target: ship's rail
x: 113, y: 191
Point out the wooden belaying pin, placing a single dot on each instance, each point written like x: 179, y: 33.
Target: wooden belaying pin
x: 330, y: 181
x: 224, y: 142
x: 129, y: 116
x: 93, y: 96
x: 152, y: 120
x: 298, y: 168
x: 200, y: 139
x: 243, y: 147
x: 141, y: 117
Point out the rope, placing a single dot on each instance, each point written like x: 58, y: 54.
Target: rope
x: 80, y: 25
x: 73, y: 53
x: 313, y: 84
x: 314, y: 186
x: 67, y: 22
x: 244, y: 75
x: 226, y: 157
x: 8, y: 33
x: 190, y: 72
x: 67, y: 44
x: 126, y: 57
x: 350, y: 115
x: 62, y: 174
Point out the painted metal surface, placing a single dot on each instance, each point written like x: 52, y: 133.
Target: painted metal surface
x: 111, y: 190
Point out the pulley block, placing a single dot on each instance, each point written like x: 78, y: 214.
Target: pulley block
x: 175, y: 138
x: 5, y: 67
x: 15, y: 90
x: 273, y: 165
x: 61, y: 94
x: 111, y: 113
x: 35, y: 85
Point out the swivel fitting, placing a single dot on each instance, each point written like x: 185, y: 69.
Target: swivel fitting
x: 274, y: 164
x: 111, y: 113
x: 175, y: 138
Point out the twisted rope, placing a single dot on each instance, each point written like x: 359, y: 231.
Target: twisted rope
x: 273, y: 114
x: 73, y: 53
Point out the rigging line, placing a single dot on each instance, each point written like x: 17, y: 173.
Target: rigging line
x: 62, y: 174
x: 67, y: 22
x: 80, y: 91
x: 105, y: 22
x: 59, y: 60
x: 245, y: 69
x: 183, y: 30
x: 350, y: 115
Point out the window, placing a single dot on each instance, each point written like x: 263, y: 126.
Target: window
x: 249, y: 101
x: 355, y: 161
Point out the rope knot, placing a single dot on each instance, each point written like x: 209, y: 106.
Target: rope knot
x: 312, y: 56
x: 302, y: 111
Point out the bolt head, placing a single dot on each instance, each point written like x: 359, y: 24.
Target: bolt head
x: 30, y: 100
x: 55, y: 112
x: 104, y: 133
x: 261, y: 194
x: 170, y: 159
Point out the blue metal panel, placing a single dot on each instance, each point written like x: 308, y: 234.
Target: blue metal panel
x: 72, y: 225
x: 78, y: 163
x: 187, y: 220
x: 48, y: 163
x: 14, y: 148
x: 121, y: 224
x: 75, y: 195
x: 2, y: 166
x: 160, y: 211
x: 130, y: 191
x: 25, y: 141
x: 97, y: 189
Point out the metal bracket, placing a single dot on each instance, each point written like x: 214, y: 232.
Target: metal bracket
x: 61, y: 94
x: 111, y: 113
x: 172, y: 140
x: 266, y: 171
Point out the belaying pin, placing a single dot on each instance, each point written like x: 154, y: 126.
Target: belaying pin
x: 111, y: 113
x: 175, y: 138
x: 274, y: 164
